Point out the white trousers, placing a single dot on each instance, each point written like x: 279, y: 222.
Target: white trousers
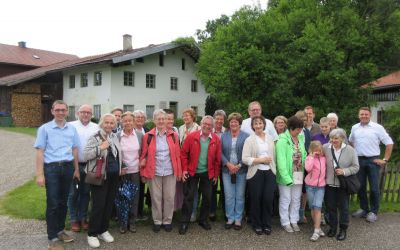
x: 289, y: 203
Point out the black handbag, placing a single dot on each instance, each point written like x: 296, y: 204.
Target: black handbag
x: 350, y: 183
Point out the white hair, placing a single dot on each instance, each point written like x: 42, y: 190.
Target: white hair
x: 333, y: 115
x: 139, y: 112
x: 104, y: 117
x: 158, y: 112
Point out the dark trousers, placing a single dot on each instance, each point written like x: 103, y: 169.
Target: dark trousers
x: 58, y: 179
x: 103, y: 198
x: 370, y: 170
x: 214, y: 200
x: 78, y: 200
x: 261, y: 191
x: 204, y: 185
x: 337, y: 201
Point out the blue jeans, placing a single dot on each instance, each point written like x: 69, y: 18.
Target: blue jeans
x: 370, y: 170
x: 315, y: 196
x: 78, y: 201
x: 58, y: 178
x: 234, y: 195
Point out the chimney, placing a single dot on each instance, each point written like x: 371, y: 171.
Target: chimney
x: 127, y: 42
x: 22, y: 44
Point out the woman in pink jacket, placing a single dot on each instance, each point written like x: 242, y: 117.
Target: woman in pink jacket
x: 315, y: 185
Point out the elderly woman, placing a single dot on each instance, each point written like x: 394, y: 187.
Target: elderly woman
x: 290, y: 158
x: 234, y: 171
x: 323, y: 137
x: 280, y: 124
x: 337, y: 199
x: 333, y: 120
x: 161, y: 168
x: 131, y: 142
x: 189, y: 117
x: 103, y: 145
x: 259, y: 154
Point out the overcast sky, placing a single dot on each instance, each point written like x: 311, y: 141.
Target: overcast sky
x: 91, y: 27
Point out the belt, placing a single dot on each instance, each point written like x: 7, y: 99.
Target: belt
x: 368, y: 157
x: 59, y: 163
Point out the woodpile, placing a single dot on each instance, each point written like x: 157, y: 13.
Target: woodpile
x: 26, y: 105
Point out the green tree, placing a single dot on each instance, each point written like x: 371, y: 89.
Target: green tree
x: 211, y: 105
x: 298, y: 53
x: 391, y: 123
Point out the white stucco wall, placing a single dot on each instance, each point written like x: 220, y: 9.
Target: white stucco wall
x: 112, y: 93
x: 379, y: 106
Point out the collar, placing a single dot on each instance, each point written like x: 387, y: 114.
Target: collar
x: 209, y: 136
x: 123, y: 133
x: 366, y: 125
x: 342, y: 147
x: 158, y: 132
x: 54, y: 124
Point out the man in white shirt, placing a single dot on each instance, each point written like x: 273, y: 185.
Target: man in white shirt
x: 78, y: 199
x: 255, y: 110
x: 366, y: 137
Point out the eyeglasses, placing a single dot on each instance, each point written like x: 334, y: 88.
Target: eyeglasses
x: 60, y: 110
x: 254, y: 110
x: 85, y: 112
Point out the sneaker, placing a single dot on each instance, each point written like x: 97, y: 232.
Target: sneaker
x: 75, y: 227
x: 315, y: 236
x: 288, y: 228
x: 296, y: 227
x: 371, y: 217
x: 359, y: 214
x: 65, y: 237
x: 55, y: 245
x: 321, y: 233
x: 106, y: 236
x: 93, y: 241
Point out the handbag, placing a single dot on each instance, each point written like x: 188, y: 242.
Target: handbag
x: 350, y: 183
x: 95, y: 177
x: 298, y: 177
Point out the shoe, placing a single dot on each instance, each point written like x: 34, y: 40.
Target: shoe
x: 156, y: 228
x: 258, y: 231
x: 267, y: 231
x: 193, y: 218
x: 183, y: 229
x: 315, y: 236
x: 359, y: 214
x: 205, y: 225
x: 342, y: 235
x: 55, y: 245
x: 371, y: 217
x: 122, y: 230
x: 228, y: 225
x: 321, y: 233
x: 65, y: 237
x: 288, y: 228
x: 132, y: 228
x: 85, y: 225
x: 106, y: 236
x: 168, y: 227
x: 331, y: 232
x: 141, y: 218
x: 93, y: 241
x: 295, y: 227
x: 212, y: 217
x: 237, y: 226
x: 75, y: 227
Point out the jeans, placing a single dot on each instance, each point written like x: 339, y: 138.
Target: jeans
x: 78, y: 201
x: 337, y: 201
x: 370, y: 170
x: 315, y: 196
x: 58, y: 178
x: 234, y: 196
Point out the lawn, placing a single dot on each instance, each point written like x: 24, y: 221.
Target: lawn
x: 28, y: 131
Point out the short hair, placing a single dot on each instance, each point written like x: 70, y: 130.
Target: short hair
x: 104, y: 116
x: 309, y: 107
x: 300, y: 114
x: 169, y: 111
x: 158, y: 112
x: 294, y: 122
x: 139, y: 112
x: 235, y: 116
x: 207, y: 117
x: 219, y: 112
x: 127, y: 113
x: 333, y: 115
x: 59, y: 102
x: 85, y: 106
x: 259, y: 117
x: 323, y: 120
x: 338, y: 132
x: 365, y: 109
x: 117, y: 109
x: 280, y: 117
x: 253, y: 103
x: 191, y: 112
x: 314, y: 145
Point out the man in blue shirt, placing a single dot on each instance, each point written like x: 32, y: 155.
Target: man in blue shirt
x: 56, y: 146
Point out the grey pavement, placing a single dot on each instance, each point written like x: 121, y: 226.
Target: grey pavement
x: 31, y: 234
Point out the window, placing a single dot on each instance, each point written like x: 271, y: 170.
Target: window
x: 183, y: 64
x: 71, y: 113
x: 84, y: 80
x: 149, y: 111
x: 72, y: 81
x: 150, y: 81
x: 174, y: 83
x: 194, y: 86
x: 129, y: 78
x: 128, y: 107
x: 141, y: 60
x: 161, y: 59
x: 97, y: 78
x: 195, y: 109
x: 97, y: 111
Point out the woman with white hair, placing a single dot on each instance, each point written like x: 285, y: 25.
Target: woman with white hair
x: 103, y: 148
x: 333, y: 120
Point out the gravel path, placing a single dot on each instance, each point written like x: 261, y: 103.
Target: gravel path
x: 31, y: 234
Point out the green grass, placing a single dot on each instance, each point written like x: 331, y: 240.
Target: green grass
x: 28, y: 131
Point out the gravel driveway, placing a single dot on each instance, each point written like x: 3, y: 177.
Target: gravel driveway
x: 17, y: 166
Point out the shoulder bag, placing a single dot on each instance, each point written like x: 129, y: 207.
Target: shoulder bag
x: 350, y: 183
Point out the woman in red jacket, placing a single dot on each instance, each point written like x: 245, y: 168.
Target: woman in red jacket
x: 160, y: 166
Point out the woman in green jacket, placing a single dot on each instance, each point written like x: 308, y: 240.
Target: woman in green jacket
x: 290, y: 158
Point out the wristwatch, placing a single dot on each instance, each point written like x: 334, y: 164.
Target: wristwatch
x: 385, y: 160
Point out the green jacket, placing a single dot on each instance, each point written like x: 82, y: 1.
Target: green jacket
x: 284, y: 157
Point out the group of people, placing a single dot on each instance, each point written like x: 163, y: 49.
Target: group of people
x: 251, y: 159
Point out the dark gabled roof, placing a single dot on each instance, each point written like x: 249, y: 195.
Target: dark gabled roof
x: 17, y: 55
x: 386, y: 82
x: 113, y: 58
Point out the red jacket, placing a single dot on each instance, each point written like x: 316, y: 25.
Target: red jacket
x: 149, y: 153
x: 190, y: 154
